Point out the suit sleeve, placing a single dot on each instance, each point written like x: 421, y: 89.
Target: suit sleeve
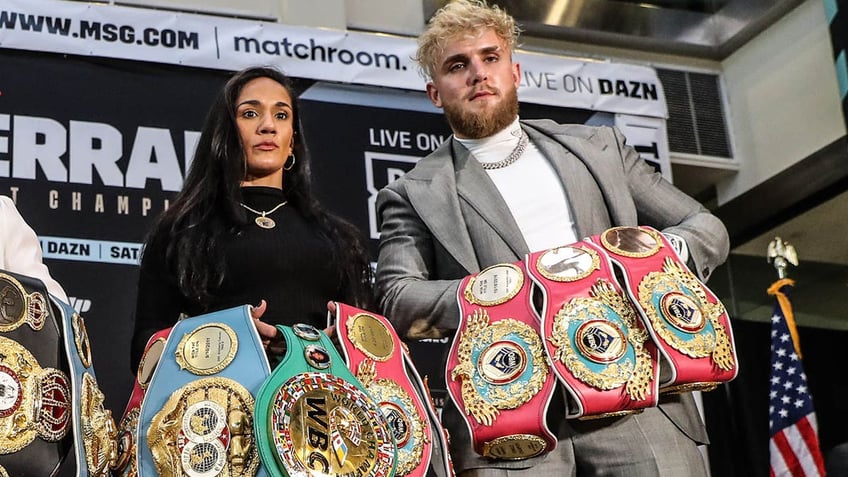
x: 21, y: 249
x: 665, y: 207
x: 410, y: 293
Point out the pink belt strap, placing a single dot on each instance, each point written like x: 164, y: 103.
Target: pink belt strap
x: 128, y: 427
x: 594, y: 336
x: 497, y: 373
x: 380, y: 361
x: 686, y: 320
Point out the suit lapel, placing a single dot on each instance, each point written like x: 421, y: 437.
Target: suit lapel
x: 434, y: 198
x: 566, y: 167
x: 475, y: 187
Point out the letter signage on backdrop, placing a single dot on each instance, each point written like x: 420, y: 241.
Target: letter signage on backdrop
x: 205, y: 41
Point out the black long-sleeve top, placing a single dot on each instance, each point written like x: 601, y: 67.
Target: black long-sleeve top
x: 290, y: 266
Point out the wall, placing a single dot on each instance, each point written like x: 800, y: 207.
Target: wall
x: 783, y: 98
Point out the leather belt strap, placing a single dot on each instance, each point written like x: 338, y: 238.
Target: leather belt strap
x: 127, y: 466
x: 380, y: 361
x: 497, y: 373
x: 686, y: 320
x: 36, y: 426
x: 595, y: 338
x: 314, y: 418
x: 196, y: 417
x: 49, y: 397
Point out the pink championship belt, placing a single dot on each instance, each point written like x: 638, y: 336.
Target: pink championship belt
x: 594, y: 336
x: 128, y: 427
x: 497, y: 373
x: 379, y: 360
x: 686, y: 320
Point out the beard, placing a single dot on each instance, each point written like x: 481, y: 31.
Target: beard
x: 475, y: 125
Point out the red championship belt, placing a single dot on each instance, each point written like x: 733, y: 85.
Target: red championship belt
x: 686, y: 320
x: 594, y: 336
x: 128, y: 427
x: 378, y: 359
x: 497, y: 372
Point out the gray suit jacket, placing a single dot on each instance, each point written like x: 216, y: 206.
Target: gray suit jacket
x: 445, y: 219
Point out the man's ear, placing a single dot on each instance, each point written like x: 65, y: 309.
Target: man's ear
x: 433, y: 94
x: 516, y: 74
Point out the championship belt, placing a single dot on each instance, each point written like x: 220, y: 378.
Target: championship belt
x: 95, y: 434
x: 687, y: 322
x: 313, y: 418
x: 594, y: 336
x: 127, y: 466
x: 497, y: 372
x: 381, y: 362
x: 36, y: 428
x: 196, y: 417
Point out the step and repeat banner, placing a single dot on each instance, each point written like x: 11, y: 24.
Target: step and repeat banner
x: 100, y: 108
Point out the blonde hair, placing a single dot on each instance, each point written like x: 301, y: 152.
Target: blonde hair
x: 462, y: 18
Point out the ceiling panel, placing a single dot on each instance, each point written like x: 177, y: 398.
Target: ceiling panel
x: 710, y: 29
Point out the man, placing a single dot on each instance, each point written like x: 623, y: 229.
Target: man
x: 20, y: 251
x: 501, y: 188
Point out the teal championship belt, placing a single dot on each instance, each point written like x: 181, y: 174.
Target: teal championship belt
x: 314, y: 418
x: 594, y: 336
x: 49, y: 397
x: 686, y: 320
x: 380, y: 361
x: 497, y: 372
x: 196, y: 417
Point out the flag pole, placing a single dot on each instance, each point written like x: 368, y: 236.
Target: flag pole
x: 794, y: 448
x: 782, y: 254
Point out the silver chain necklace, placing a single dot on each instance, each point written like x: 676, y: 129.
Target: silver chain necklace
x: 262, y: 220
x: 512, y: 157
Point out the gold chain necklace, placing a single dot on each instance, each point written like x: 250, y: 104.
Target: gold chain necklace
x: 262, y: 220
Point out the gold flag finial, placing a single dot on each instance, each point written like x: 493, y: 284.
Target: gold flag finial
x: 781, y: 254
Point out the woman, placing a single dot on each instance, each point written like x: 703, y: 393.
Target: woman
x: 245, y: 227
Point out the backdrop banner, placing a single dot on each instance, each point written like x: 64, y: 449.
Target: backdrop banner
x: 206, y: 41
x: 92, y: 163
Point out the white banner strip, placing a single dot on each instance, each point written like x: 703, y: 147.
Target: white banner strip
x: 111, y: 31
x: 84, y: 250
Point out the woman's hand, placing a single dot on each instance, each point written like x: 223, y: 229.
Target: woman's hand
x: 272, y: 338
x: 266, y: 332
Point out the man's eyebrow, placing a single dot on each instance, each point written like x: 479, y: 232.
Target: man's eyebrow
x: 454, y: 58
x: 464, y: 56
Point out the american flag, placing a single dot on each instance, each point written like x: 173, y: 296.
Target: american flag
x: 793, y: 443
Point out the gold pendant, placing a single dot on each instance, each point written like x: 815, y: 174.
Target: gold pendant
x: 265, y: 222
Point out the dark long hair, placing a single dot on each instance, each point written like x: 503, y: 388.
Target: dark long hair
x: 207, y: 207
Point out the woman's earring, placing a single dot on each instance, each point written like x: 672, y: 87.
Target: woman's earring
x: 288, y: 166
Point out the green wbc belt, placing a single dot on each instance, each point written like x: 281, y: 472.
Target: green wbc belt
x: 314, y: 418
